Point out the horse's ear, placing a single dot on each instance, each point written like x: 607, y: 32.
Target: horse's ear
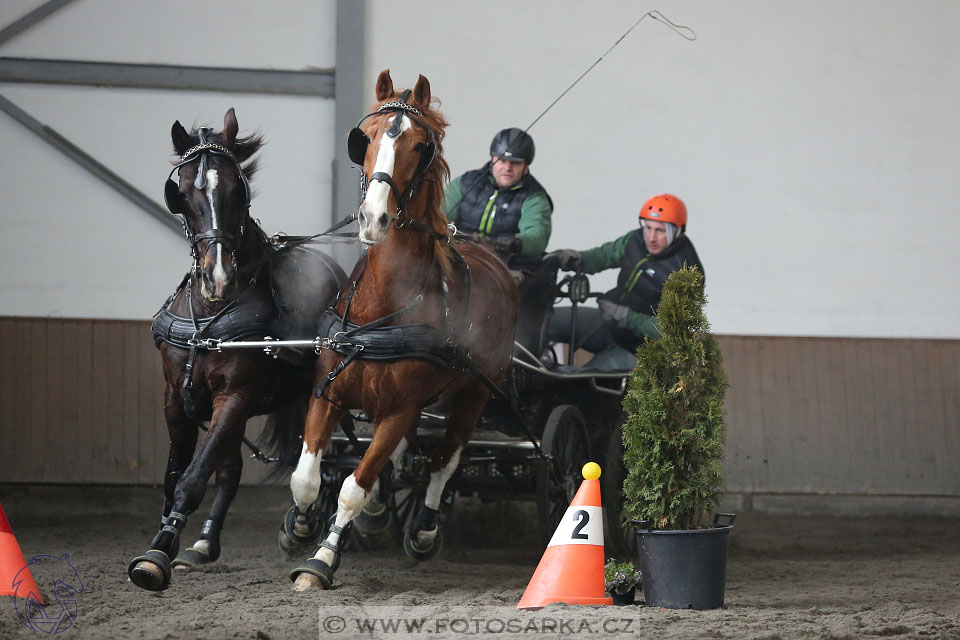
x: 230, y: 128
x: 384, y: 85
x: 421, y: 93
x: 181, y: 139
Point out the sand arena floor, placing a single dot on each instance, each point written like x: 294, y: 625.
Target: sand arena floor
x: 787, y: 577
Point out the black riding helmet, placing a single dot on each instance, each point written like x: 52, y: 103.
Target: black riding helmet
x: 513, y: 144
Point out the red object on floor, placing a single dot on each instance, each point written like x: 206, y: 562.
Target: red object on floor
x: 13, y: 566
x: 571, y: 569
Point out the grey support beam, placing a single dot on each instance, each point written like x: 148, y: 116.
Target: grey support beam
x: 351, y: 16
x: 91, y: 164
x: 19, y: 26
x: 312, y: 82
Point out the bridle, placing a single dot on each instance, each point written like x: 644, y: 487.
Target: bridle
x: 171, y: 195
x: 358, y: 141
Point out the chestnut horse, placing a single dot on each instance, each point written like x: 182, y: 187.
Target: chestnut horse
x: 459, y: 298
x: 240, y: 287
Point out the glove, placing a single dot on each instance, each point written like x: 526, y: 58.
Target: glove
x: 569, y: 259
x: 613, y: 312
x: 507, y: 244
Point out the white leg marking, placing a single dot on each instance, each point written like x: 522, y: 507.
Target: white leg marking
x: 438, y: 480
x: 373, y: 505
x: 305, y: 480
x: 397, y: 454
x: 349, y: 503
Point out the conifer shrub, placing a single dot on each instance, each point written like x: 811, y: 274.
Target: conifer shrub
x: 674, y: 432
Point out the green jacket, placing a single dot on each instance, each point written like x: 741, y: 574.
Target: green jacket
x: 608, y: 256
x: 534, y: 226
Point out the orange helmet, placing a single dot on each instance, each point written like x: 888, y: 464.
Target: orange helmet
x: 665, y: 208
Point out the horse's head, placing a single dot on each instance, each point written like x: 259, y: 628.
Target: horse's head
x: 213, y: 197
x: 398, y: 146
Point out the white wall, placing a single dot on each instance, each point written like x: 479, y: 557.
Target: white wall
x: 809, y: 139
x: 69, y: 245
x: 814, y: 142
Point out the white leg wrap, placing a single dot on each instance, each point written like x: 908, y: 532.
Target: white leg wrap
x: 305, y: 480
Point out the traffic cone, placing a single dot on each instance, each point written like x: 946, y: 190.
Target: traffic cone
x: 571, y: 569
x: 13, y: 566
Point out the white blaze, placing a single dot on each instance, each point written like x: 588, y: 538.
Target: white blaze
x: 375, y: 203
x: 219, y: 275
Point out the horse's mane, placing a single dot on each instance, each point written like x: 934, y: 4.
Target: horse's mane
x: 244, y: 148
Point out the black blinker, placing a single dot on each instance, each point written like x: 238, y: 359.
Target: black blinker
x: 172, y: 197
x: 357, y: 143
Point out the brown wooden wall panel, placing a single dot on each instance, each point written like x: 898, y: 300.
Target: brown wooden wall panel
x: 843, y: 416
x: 81, y: 401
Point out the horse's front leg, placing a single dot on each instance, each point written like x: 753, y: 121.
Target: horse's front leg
x: 182, y: 430
x: 152, y: 570
x: 301, y: 526
x: 317, y: 572
x: 207, y: 548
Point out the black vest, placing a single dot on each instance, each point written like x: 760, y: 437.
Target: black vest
x: 643, y: 275
x: 503, y: 215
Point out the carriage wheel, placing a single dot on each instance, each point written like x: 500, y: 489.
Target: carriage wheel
x: 620, y: 542
x: 566, y: 443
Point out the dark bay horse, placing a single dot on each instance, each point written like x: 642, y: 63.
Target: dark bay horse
x: 421, y: 289
x: 240, y: 287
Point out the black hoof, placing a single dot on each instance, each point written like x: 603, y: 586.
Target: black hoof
x: 372, y: 523
x: 420, y: 550
x: 191, y: 559
x: 151, y: 571
x: 298, y: 535
x: 318, y: 568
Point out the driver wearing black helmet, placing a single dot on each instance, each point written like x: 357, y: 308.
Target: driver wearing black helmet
x: 502, y: 203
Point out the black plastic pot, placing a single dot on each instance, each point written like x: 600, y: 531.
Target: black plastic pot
x: 685, y: 569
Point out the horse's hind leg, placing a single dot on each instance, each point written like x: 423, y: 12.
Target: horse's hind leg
x: 423, y: 539
x: 317, y: 572
x: 376, y: 517
x: 207, y: 548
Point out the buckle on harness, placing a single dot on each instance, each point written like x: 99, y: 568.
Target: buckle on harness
x: 336, y: 342
x: 211, y: 344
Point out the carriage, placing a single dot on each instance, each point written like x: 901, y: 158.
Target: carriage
x: 409, y: 353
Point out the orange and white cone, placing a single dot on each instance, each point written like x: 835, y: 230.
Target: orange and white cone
x: 571, y: 569
x: 13, y: 563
